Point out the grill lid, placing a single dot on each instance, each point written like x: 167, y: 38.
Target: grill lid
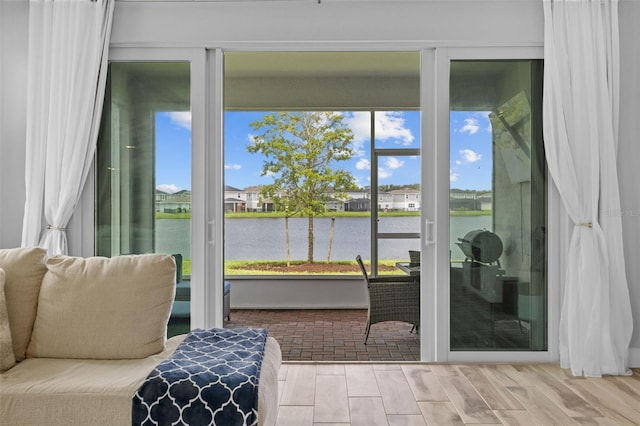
x: 481, y: 245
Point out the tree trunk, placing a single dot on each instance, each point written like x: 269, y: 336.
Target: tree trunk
x: 333, y: 225
x: 286, y: 234
x: 310, y: 245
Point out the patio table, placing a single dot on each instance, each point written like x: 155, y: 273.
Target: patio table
x: 409, y: 269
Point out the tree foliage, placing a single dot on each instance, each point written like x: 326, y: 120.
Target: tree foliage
x: 302, y: 151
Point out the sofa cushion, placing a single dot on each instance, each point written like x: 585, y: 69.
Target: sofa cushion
x: 70, y: 392
x: 24, y: 269
x: 104, y: 308
x: 7, y: 359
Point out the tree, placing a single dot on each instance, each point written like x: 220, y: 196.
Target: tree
x: 301, y: 151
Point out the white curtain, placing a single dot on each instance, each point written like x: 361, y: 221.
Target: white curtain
x: 580, y: 122
x: 67, y: 64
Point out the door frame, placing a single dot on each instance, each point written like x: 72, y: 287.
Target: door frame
x: 207, y: 186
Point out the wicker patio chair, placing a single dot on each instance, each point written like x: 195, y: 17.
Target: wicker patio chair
x: 391, y: 298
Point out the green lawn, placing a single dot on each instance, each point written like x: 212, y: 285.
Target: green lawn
x: 160, y: 215
x: 259, y: 215
x: 186, y: 266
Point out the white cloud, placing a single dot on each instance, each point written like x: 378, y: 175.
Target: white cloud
x: 393, y: 163
x: 388, y: 126
x: 390, y: 164
x: 181, y: 119
x: 232, y: 166
x: 363, y: 164
x: 470, y: 156
x: 363, y: 181
x: 453, y: 176
x: 360, y: 124
x: 471, y: 126
x: 383, y: 173
x: 169, y: 188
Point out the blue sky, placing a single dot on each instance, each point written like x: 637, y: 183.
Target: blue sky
x: 173, y: 151
x: 470, y: 149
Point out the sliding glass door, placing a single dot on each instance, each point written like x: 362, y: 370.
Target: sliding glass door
x: 145, y: 166
x: 497, y: 207
x: 144, y: 192
x: 474, y: 193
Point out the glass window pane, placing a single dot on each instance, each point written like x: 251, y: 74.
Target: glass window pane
x: 377, y: 96
x: 143, y: 178
x: 497, y: 204
x: 394, y: 250
x: 272, y: 228
x: 405, y: 218
x: 396, y: 129
x: 396, y: 177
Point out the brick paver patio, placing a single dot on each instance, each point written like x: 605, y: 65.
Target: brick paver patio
x: 331, y: 334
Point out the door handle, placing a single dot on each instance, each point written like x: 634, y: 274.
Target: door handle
x: 428, y: 232
x: 212, y: 232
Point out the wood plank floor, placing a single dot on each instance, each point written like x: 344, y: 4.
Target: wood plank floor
x: 444, y: 394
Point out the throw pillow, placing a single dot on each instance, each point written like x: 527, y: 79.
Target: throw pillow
x: 24, y: 269
x: 7, y: 359
x: 104, y: 308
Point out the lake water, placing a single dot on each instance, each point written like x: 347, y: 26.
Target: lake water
x: 255, y: 239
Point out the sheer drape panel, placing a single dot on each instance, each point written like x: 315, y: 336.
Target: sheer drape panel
x: 68, y: 44
x: 580, y: 119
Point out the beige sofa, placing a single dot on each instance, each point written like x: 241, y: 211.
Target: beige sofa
x: 78, y: 336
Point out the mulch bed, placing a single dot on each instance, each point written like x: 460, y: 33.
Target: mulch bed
x: 312, y: 268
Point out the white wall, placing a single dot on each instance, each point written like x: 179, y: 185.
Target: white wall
x: 294, y: 293
x: 245, y: 24
x: 14, y: 25
x: 629, y: 156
